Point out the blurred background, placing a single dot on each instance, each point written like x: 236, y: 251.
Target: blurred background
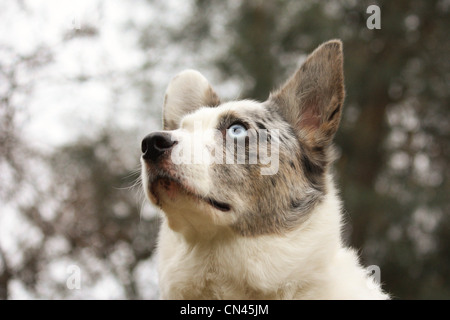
x: 82, y: 82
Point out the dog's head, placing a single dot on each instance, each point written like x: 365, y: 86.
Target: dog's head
x: 249, y: 167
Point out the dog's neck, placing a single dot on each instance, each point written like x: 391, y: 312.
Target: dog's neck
x: 267, y: 261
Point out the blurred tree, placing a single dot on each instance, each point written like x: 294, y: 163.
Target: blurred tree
x: 95, y: 215
x: 14, y: 152
x: 72, y: 205
x: 84, y: 217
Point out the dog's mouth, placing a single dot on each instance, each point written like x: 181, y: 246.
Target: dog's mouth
x: 219, y: 205
x: 172, y: 185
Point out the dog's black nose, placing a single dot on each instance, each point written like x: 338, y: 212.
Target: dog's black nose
x: 155, y: 144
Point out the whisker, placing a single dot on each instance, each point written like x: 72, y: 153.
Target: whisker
x: 135, y: 182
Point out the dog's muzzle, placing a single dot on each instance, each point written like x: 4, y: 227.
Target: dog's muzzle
x: 156, y: 144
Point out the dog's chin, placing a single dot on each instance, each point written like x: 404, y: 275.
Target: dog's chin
x: 167, y: 192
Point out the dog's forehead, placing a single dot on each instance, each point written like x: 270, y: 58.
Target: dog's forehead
x: 209, y: 117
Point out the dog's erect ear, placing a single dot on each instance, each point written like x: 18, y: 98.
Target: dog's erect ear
x: 311, y: 100
x: 188, y: 91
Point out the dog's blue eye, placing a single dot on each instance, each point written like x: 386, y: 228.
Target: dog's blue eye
x: 237, y: 131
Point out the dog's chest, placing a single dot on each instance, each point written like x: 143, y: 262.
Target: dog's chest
x: 198, y: 273
x: 195, y: 275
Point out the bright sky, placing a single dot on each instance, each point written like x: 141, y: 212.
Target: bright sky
x: 58, y: 104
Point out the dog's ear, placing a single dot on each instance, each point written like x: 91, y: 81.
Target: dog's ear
x: 188, y: 91
x: 311, y: 100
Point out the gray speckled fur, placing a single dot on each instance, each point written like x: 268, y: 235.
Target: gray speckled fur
x: 306, y: 111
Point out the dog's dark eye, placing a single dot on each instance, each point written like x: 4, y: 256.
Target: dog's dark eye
x: 237, y: 131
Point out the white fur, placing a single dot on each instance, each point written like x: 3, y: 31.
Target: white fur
x: 310, y: 262
x: 184, y: 94
x: 201, y: 257
x: 196, y: 134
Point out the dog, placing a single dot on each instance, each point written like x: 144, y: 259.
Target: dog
x: 229, y: 230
